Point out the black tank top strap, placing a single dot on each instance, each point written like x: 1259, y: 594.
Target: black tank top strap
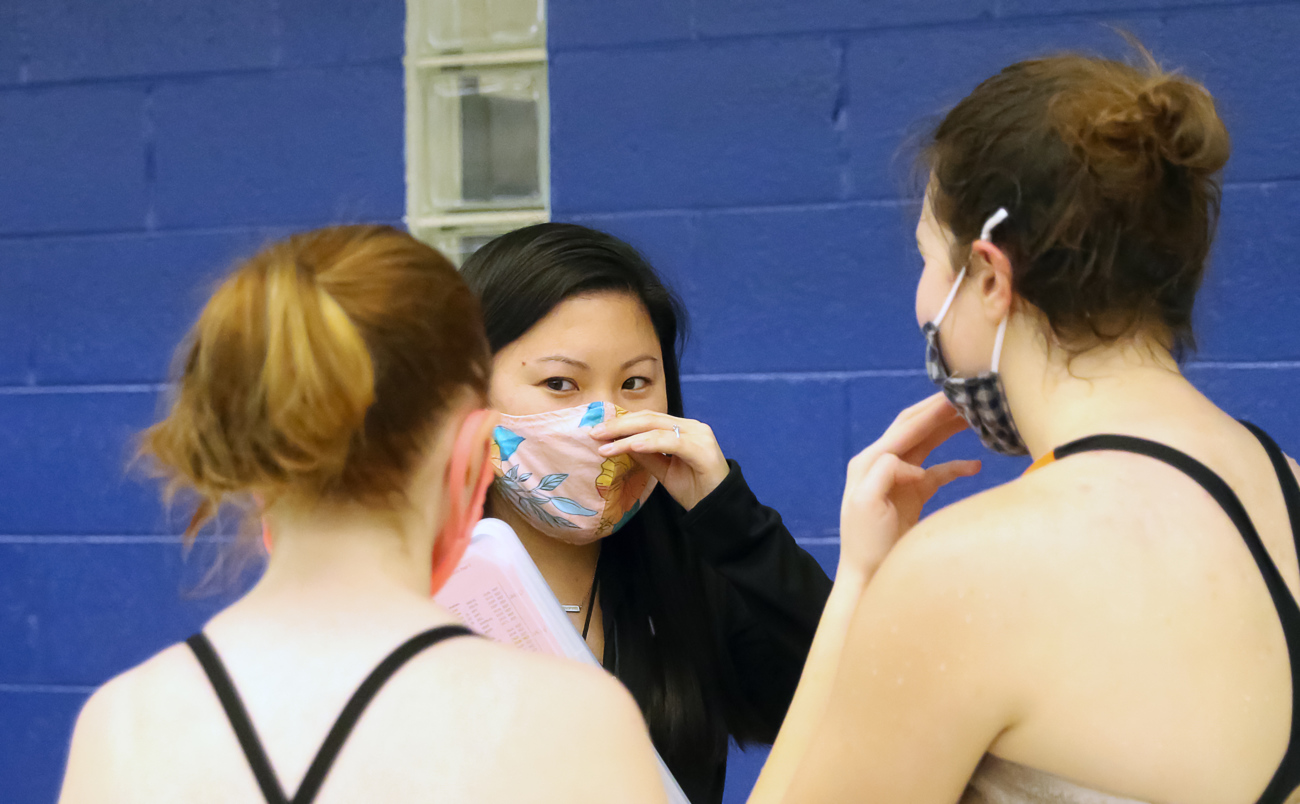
x: 1208, y: 480
x: 347, y: 720
x: 238, y: 716
x: 352, y: 712
x: 1287, y: 777
x: 1290, y: 488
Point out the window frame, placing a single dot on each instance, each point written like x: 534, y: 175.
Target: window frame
x: 447, y: 227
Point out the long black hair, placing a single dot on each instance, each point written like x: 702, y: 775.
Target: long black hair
x: 650, y: 582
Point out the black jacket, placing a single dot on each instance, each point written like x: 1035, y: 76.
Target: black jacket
x: 765, y: 595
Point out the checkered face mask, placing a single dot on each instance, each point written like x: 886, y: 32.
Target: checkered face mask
x: 981, y: 400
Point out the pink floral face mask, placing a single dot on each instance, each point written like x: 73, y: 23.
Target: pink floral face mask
x: 548, y: 468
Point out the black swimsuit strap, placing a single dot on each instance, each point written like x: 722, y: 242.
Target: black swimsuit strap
x: 1287, y: 778
x: 351, y: 713
x: 347, y: 719
x: 1208, y: 480
x: 1287, y: 775
x: 238, y: 715
x: 1290, y: 487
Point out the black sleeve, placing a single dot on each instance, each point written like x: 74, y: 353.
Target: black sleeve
x: 769, y: 593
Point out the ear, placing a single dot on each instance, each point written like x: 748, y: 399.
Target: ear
x: 990, y: 264
x: 470, y: 464
x: 468, y: 474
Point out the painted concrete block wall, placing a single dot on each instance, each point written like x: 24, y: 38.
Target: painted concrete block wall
x: 754, y: 149
x: 748, y: 146
x: 144, y: 146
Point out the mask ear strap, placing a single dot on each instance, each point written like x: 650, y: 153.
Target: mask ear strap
x: 992, y: 223
x: 460, y: 521
x: 462, y: 454
x: 997, y: 345
x: 985, y: 234
x: 952, y: 294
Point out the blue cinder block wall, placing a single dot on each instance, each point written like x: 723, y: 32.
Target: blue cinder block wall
x: 750, y: 147
x: 753, y: 150
x: 144, y: 145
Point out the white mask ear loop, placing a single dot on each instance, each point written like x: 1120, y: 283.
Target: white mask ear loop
x: 997, y: 344
x: 952, y: 294
x: 985, y: 234
x: 992, y: 223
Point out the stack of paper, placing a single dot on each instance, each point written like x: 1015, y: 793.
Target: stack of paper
x: 498, y: 592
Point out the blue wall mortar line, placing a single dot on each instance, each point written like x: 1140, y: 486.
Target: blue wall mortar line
x: 197, y: 75
x: 66, y: 539
x: 877, y: 202
x: 271, y: 229
x: 1265, y: 365
x: 802, y: 376
x: 764, y: 376
x: 964, y: 24
x: 38, y: 390
x: 274, y: 227
x: 65, y: 689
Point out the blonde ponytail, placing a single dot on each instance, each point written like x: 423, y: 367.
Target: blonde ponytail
x: 315, y: 370
x: 317, y: 379
x: 274, y: 390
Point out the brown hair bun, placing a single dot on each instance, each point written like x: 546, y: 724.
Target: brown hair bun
x: 1110, y: 173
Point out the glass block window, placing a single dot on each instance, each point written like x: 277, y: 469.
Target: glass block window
x: 477, y: 150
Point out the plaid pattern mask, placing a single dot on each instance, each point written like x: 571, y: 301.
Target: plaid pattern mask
x: 981, y: 400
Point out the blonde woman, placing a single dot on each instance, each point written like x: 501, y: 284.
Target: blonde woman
x: 339, y: 377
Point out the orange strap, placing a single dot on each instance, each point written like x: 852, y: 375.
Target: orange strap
x: 1047, y: 458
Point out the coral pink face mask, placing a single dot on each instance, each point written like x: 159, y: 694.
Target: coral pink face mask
x: 548, y: 468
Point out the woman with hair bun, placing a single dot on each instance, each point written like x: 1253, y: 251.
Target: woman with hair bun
x: 336, y: 382
x: 1119, y: 624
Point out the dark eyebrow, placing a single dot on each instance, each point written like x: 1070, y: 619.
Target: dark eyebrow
x: 643, y: 358
x: 566, y: 360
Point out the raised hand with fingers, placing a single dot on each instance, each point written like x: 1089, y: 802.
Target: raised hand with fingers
x: 887, y: 486
x: 682, y: 454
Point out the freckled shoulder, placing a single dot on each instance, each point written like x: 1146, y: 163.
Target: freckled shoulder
x: 1026, y: 507
x: 962, y: 603
x: 1008, y: 546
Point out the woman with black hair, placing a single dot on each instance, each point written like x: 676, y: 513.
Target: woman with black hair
x: 693, y: 593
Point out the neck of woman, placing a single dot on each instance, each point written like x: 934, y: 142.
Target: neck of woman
x: 568, y: 568
x: 1130, y: 387
x: 329, y: 557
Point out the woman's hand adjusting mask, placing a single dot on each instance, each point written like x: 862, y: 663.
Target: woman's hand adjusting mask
x: 682, y: 454
x: 887, y: 486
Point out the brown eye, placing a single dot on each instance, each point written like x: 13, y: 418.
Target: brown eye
x: 560, y: 384
x: 636, y: 383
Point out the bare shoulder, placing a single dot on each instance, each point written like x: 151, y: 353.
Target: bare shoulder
x: 990, y: 568
x: 549, y: 687
x: 131, y: 698
x: 1000, y: 532
x: 568, y: 721
x: 941, y: 632
x: 103, y: 740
